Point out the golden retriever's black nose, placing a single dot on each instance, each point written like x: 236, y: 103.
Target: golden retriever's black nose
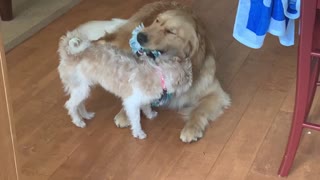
x: 142, y: 38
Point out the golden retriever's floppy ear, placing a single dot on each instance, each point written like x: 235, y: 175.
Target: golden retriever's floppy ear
x: 197, y: 42
x: 193, y: 44
x: 198, y: 46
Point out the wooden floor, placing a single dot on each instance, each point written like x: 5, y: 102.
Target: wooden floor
x: 247, y: 142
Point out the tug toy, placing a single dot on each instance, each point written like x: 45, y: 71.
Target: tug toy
x: 137, y: 48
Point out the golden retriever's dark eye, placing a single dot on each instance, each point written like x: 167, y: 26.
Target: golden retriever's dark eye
x: 168, y: 31
x: 157, y: 20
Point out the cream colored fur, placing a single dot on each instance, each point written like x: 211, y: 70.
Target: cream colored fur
x: 136, y: 81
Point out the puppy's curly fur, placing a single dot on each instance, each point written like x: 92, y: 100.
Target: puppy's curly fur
x: 136, y: 81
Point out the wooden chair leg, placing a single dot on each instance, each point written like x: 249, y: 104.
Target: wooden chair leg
x: 303, y: 84
x: 6, y: 10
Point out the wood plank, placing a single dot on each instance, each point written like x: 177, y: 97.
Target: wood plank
x: 123, y: 158
x: 191, y: 166
x: 157, y: 163
x: 255, y: 176
x: 56, y: 132
x: 8, y: 157
x: 270, y: 153
x: 219, y: 26
x: 82, y: 160
x: 229, y: 64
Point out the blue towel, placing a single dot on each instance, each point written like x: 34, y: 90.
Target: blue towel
x: 257, y: 17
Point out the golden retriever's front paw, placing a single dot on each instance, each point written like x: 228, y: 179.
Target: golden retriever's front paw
x: 191, y: 133
x: 121, y: 122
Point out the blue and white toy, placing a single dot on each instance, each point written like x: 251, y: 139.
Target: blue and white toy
x: 137, y: 48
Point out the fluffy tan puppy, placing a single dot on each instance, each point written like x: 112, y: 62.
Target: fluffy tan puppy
x: 136, y: 81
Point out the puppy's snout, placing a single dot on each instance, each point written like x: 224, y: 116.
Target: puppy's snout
x: 142, y: 38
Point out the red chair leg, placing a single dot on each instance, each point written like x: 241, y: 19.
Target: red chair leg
x: 303, y: 82
x: 298, y: 119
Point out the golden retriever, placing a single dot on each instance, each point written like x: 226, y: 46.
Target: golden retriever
x: 174, y: 29
x: 137, y: 82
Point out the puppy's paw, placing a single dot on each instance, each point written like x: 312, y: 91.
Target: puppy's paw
x: 191, y: 133
x: 139, y: 134
x: 88, y: 115
x: 80, y: 123
x: 74, y: 42
x: 152, y: 115
x: 121, y: 122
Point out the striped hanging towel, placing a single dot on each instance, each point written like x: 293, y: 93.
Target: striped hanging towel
x: 255, y: 18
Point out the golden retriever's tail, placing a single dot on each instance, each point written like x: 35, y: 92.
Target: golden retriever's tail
x: 73, y: 43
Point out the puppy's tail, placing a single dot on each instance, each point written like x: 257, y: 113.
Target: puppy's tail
x: 73, y: 43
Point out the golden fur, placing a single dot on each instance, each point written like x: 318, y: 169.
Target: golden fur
x: 176, y: 30
x: 136, y: 81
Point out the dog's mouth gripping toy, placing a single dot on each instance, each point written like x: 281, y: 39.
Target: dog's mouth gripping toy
x: 138, y: 50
